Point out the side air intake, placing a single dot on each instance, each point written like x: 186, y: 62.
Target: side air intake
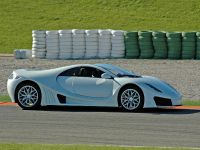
x: 61, y: 98
x: 160, y: 101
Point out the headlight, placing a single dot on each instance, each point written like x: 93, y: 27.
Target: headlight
x: 13, y: 76
x: 153, y: 87
x: 17, y: 77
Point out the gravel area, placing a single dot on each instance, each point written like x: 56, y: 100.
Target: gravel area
x: 182, y: 74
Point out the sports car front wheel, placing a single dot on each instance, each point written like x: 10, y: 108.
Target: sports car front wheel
x: 131, y: 98
x: 28, y: 95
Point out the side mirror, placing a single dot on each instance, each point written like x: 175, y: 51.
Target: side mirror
x: 106, y: 76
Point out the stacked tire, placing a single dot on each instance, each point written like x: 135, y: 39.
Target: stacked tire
x: 159, y: 44
x: 174, y: 45
x: 118, y: 46
x: 38, y: 44
x: 188, y: 45
x: 131, y: 44
x: 91, y: 39
x: 65, y: 44
x: 78, y: 37
x: 52, y: 44
x: 22, y: 53
x: 145, y: 44
x: 104, y: 44
x: 18, y: 54
x: 198, y: 45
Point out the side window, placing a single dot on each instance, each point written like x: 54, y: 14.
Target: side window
x: 97, y: 73
x: 90, y: 72
x: 71, y: 72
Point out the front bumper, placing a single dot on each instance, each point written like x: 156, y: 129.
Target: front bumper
x: 161, y: 102
x: 11, y: 86
x: 155, y: 99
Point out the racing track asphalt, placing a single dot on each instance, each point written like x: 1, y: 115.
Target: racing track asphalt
x: 79, y: 125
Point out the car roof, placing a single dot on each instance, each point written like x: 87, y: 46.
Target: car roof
x: 97, y: 66
x: 91, y: 65
x: 81, y: 65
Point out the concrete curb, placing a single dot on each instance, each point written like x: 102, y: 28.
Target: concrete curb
x: 8, y: 104
x: 6, y: 55
x: 187, y: 107
x: 173, y: 107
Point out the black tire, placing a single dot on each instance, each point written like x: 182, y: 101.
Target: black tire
x: 174, y: 34
x: 140, y: 104
x: 131, y: 34
x: 189, y: 34
x: 159, y: 34
x: 145, y: 34
x: 198, y: 34
x: 37, y: 101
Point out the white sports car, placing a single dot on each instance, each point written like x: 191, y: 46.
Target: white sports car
x: 90, y: 85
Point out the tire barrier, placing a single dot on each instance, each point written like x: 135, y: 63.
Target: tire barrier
x: 198, y: 45
x: 131, y: 44
x: 87, y: 44
x: 118, y: 46
x: 52, y: 44
x: 78, y: 42
x: 39, y: 44
x: 160, y: 45
x: 188, y: 45
x: 145, y: 44
x: 174, y: 45
x: 22, y: 53
x: 104, y: 44
x: 65, y: 44
x: 92, y: 43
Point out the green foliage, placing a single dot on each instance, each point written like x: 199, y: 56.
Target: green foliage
x: 4, y: 98
x: 76, y: 147
x: 191, y: 102
x: 19, y: 17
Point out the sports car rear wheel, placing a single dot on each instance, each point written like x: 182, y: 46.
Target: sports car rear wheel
x: 131, y: 98
x: 28, y: 95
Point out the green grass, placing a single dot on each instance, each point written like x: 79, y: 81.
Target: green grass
x: 19, y: 17
x: 5, y: 98
x: 191, y: 102
x: 75, y: 147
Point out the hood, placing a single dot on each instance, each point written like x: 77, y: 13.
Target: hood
x: 161, y: 85
x: 152, y: 83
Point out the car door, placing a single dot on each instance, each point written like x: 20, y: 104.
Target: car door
x: 89, y: 83
x: 66, y: 79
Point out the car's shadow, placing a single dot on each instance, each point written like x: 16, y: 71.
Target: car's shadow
x: 117, y: 110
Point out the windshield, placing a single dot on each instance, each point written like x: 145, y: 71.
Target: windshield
x: 117, y: 71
